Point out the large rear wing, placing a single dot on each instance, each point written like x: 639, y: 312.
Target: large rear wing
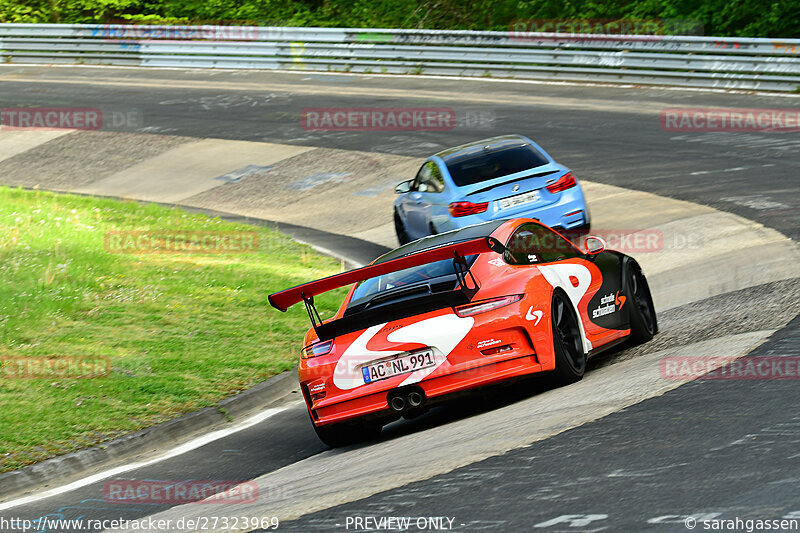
x: 305, y: 293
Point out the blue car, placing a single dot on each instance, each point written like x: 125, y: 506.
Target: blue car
x: 503, y: 177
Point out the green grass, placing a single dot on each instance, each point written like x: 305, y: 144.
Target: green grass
x: 181, y: 330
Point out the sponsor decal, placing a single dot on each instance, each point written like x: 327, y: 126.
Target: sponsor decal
x: 536, y: 315
x: 610, y: 303
x: 497, y: 262
x: 488, y: 342
x: 388, y: 329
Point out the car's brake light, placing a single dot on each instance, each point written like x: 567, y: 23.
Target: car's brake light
x: 567, y: 181
x: 486, y: 305
x: 317, y: 349
x: 462, y: 209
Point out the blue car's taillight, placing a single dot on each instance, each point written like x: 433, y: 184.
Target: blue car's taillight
x: 567, y: 181
x: 462, y: 209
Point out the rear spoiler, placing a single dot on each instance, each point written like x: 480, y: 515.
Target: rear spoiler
x: 305, y: 293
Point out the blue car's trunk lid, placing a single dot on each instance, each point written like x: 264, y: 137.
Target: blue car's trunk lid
x: 501, y: 192
x: 527, y: 180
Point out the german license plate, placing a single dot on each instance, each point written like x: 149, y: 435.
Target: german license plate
x: 403, y: 364
x: 514, y: 201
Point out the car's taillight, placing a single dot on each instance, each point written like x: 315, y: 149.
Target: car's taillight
x: 567, y: 181
x: 317, y: 349
x: 462, y: 209
x: 486, y: 305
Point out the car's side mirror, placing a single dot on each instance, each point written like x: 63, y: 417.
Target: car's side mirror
x: 403, y: 187
x: 594, y: 245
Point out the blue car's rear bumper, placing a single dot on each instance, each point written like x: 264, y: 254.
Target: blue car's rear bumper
x: 569, y: 212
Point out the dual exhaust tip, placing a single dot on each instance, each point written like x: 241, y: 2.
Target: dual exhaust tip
x: 400, y: 401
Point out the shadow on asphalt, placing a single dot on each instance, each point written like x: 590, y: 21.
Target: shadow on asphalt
x: 483, y: 400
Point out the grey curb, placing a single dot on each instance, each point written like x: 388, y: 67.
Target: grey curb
x: 76, y: 465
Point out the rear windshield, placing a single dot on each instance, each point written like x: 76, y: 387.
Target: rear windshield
x: 438, y: 276
x: 484, y: 166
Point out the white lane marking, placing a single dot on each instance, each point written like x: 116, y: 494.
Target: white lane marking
x: 178, y: 450
x: 573, y: 520
x: 735, y: 169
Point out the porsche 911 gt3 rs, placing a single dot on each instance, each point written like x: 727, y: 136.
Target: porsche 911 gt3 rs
x: 459, y: 310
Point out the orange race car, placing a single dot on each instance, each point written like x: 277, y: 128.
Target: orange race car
x: 459, y: 310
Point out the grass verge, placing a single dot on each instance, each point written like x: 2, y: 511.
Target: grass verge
x: 177, y: 330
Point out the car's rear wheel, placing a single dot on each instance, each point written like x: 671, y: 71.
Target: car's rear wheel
x: 400, y: 230
x: 345, y: 433
x: 644, y: 323
x: 567, y: 342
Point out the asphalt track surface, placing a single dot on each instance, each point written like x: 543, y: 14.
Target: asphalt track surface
x: 708, y: 450
x: 705, y: 447
x: 606, y: 134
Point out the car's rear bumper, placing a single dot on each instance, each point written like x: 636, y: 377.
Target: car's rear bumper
x: 433, y: 387
x: 568, y: 213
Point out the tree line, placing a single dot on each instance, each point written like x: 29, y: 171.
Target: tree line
x: 734, y: 18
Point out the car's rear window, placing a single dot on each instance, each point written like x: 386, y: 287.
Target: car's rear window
x: 430, y: 274
x: 488, y: 165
